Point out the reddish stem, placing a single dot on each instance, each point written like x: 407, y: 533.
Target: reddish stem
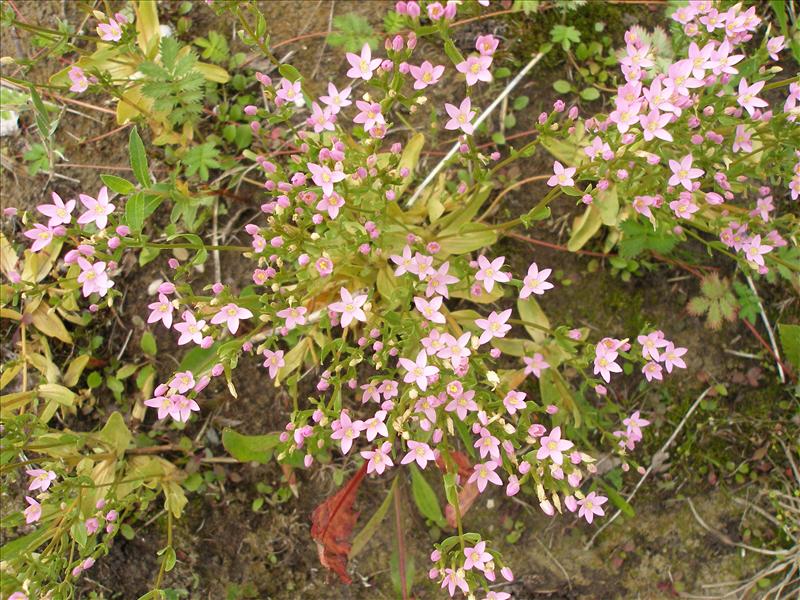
x: 401, y: 544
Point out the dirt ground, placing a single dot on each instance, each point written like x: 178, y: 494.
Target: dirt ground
x: 226, y: 550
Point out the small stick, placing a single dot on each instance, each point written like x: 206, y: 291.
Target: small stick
x: 649, y: 470
x: 484, y: 115
x: 769, y: 329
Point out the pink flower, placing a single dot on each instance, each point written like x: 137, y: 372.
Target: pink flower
x: 325, y: 178
x: 93, y: 277
x: 672, y: 357
x: 604, y: 363
x: 230, y: 314
x: 79, y: 80
x: 684, y: 207
x: 418, y: 371
x: 461, y: 117
x: 462, y: 404
x: 41, y: 235
x: 336, y: 100
x: 33, y: 512
x: 346, y: 430
x: 477, y: 556
x: 747, y: 96
x: 376, y: 426
x: 182, y: 408
x: 369, y: 115
x: 683, y: 173
x: 552, y: 447
x: 350, y: 307
x: 324, y: 266
x: 455, y: 349
x: 754, y: 251
x: 162, y: 403
x: 426, y: 74
x: 182, y: 382
x: 494, y: 326
x: 634, y: 423
x: 475, y: 69
x: 40, y: 479
x: 486, y: 44
x: 439, y: 280
x: 294, y: 315
x: 741, y: 139
x: 591, y: 506
x: 379, y: 459
x: 535, y: 365
x: 642, y: 204
x: 430, y: 310
x: 652, y: 370
x: 191, y: 329
x: 60, y: 212
x: 775, y: 45
x: 484, y: 474
x: 489, y: 272
x: 651, y: 343
x: 403, y: 261
x: 161, y: 311
x: 562, y: 176
x: 98, y: 210
x: 653, y: 125
x: 290, y: 92
x: 361, y: 67
x: 321, y: 120
x: 535, y: 282
x: 488, y: 444
x: 109, y: 32
x: 514, y: 401
x: 418, y: 452
x: 274, y: 361
x: 452, y: 578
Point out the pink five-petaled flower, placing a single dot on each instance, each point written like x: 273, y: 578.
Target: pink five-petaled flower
x: 460, y: 117
x: 453, y: 578
x: 230, y: 314
x: 430, y: 310
x: 98, y: 209
x: 438, y: 281
x: 79, y: 80
x: 60, y: 212
x: 369, y: 114
x: 321, y: 119
x: 378, y: 459
x: 331, y: 203
x: 477, y: 556
x: 191, y: 329
x: 33, y: 512
x: 41, y: 235
x: 162, y: 403
x: 652, y: 370
x: 41, y: 479
x: 462, y: 404
x: 494, y: 326
x: 634, y: 423
x: 535, y: 281
x: 535, y: 365
x: 182, y: 382
x: 419, y: 452
x: 653, y: 125
x: 489, y: 272
x: 591, y: 506
x: 455, y: 349
x: 683, y: 173
x: 350, y: 307
x: 336, y: 100
x: 514, y: 401
x: 418, y: 371
x: 485, y: 473
x: 161, y: 311
x: 552, y: 446
x: 561, y: 176
x: 651, y: 343
x: 294, y: 315
x: 747, y: 96
x: 754, y: 250
x: 425, y: 74
x: 604, y: 363
x: 497, y: 596
x: 325, y: 178
x: 274, y: 362
x: 93, y: 277
x: 488, y: 444
x: 376, y: 426
x: 346, y: 430
x: 361, y: 67
x: 672, y: 357
x: 182, y: 408
x: 476, y: 68
x: 109, y: 32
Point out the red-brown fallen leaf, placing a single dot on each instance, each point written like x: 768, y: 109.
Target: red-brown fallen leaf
x: 469, y: 492
x: 332, y: 525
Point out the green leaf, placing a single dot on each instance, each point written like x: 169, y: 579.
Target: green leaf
x: 116, y: 434
x: 790, y: 342
x: 363, y: 537
x: 618, y: 500
x: 118, y: 184
x: 289, y: 72
x: 425, y: 498
x: 138, y: 159
x: 148, y: 344
x: 351, y: 31
x: 531, y: 312
x: 590, y: 93
x: 471, y: 237
x: 250, y: 448
x: 584, y: 228
x: 562, y: 86
x: 138, y: 208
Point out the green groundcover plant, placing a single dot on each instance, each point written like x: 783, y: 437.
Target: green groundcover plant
x: 379, y: 301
